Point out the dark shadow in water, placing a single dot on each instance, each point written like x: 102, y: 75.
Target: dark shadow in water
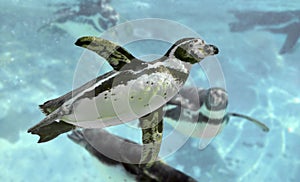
x: 279, y: 22
x: 98, y: 14
x: 125, y: 150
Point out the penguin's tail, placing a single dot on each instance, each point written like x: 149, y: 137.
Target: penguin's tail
x: 49, y: 128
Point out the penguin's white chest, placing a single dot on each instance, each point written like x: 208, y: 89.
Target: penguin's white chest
x: 193, y: 123
x: 124, y: 102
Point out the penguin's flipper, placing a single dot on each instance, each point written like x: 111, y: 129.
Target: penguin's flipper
x: 292, y: 32
x: 152, y: 127
x: 115, y: 55
x: 293, y: 35
x: 255, y: 121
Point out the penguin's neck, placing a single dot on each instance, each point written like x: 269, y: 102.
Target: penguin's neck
x: 174, y: 63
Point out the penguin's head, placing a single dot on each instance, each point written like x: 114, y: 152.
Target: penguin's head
x: 193, y: 50
x: 216, y: 99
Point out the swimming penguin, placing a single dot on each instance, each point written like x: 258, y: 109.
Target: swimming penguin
x: 123, y: 166
x: 135, y: 89
x: 96, y: 16
x: 282, y: 22
x: 201, y: 113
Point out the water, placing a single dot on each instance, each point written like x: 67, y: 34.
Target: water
x: 40, y: 65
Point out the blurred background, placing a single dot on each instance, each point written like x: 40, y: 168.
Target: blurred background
x: 259, y: 49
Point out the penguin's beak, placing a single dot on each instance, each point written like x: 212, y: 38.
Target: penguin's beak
x: 215, y: 49
x: 210, y: 50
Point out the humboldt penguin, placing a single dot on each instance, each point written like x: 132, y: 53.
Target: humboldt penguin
x: 202, y: 113
x: 135, y: 89
x: 122, y: 166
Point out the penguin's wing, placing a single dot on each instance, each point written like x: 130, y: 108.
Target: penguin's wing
x: 116, y: 55
x: 255, y: 121
x: 114, y: 151
x: 292, y: 32
x: 152, y: 127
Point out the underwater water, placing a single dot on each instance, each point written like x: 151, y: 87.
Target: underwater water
x: 38, y: 64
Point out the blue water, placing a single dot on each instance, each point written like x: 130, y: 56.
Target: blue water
x: 40, y: 65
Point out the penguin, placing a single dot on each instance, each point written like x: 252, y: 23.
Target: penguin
x: 202, y: 113
x: 123, y: 166
x: 135, y: 89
